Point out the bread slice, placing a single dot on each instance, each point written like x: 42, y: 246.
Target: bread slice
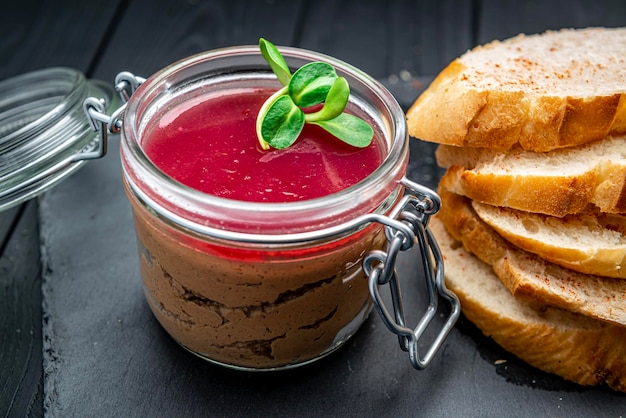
x: 546, y: 91
x: 589, y: 243
x: 529, y: 276
x: 554, y: 183
x: 575, y: 347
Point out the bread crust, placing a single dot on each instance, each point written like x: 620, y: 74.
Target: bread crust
x: 528, y: 276
x: 589, y: 243
x: 543, y: 185
x: 556, y: 197
x: 579, y: 349
x: 454, y: 110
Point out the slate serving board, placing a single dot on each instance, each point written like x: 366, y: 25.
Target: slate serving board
x: 105, y: 354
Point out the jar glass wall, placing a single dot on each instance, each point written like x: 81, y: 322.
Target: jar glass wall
x: 256, y: 285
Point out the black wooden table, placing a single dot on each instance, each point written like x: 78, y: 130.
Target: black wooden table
x: 76, y: 337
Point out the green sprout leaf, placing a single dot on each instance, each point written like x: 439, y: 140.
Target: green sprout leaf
x: 282, y: 123
x: 335, y: 103
x: 275, y: 60
x: 310, y: 84
x: 350, y: 129
x: 281, y: 118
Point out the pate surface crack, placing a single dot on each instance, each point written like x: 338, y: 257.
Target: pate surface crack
x: 188, y: 295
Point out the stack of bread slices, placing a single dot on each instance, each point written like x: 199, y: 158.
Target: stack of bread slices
x: 532, y: 134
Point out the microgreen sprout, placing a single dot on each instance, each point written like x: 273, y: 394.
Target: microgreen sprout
x: 281, y: 118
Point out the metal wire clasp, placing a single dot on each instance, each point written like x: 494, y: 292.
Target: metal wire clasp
x: 125, y: 84
x: 414, y: 210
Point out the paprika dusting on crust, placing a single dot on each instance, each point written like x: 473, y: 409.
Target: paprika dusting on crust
x: 543, y: 92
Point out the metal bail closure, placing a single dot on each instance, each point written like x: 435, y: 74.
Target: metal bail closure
x: 414, y: 211
x: 125, y: 84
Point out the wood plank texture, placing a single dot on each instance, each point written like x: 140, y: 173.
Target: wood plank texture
x: 8, y: 219
x: 412, y: 41
x: 21, y: 390
x: 153, y: 34
x: 502, y: 19
x: 418, y: 37
x: 35, y: 34
x: 38, y: 34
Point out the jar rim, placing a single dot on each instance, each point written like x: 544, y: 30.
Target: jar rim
x: 397, y: 146
x: 43, y: 130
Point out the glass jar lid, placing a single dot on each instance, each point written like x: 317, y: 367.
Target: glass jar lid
x: 44, y: 130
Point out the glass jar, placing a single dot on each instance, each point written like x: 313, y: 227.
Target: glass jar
x: 44, y: 136
x: 279, y: 287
